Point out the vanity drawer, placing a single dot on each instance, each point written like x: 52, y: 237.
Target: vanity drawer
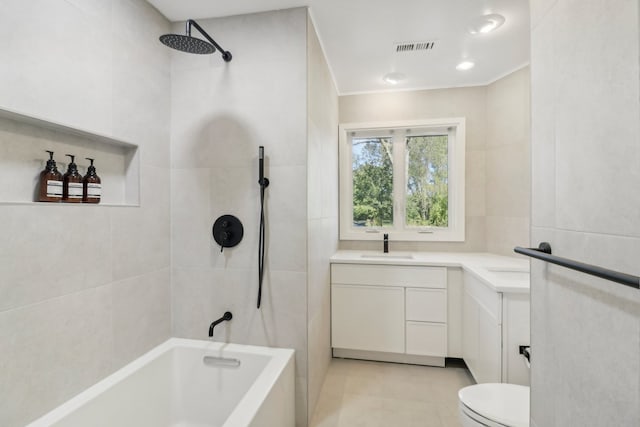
x: 389, y: 275
x: 426, y: 305
x: 426, y: 339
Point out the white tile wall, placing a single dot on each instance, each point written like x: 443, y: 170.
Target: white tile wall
x: 53, y: 65
x: 508, y: 110
x: 585, y: 331
x: 475, y: 177
x: 508, y: 181
x: 505, y: 233
x: 469, y: 102
x: 140, y: 314
x: 53, y: 350
x: 508, y: 159
x: 140, y: 236
x: 44, y: 257
x: 83, y: 290
x: 598, y: 134
x: 221, y: 114
x: 543, y: 119
x: 322, y: 211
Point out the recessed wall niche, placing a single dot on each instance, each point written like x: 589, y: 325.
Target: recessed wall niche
x: 24, y: 139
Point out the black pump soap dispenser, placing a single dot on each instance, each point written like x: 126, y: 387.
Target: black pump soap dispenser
x: 50, y: 182
x: 91, y: 185
x: 72, y: 183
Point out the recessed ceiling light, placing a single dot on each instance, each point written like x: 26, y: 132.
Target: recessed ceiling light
x: 394, y: 78
x: 486, y: 24
x: 465, y: 65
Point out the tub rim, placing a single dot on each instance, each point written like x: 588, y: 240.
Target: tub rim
x: 240, y: 415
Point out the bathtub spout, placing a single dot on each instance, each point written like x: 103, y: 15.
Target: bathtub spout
x: 227, y: 316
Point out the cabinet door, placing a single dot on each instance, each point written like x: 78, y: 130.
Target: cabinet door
x: 427, y: 339
x: 367, y: 318
x: 470, y: 313
x: 489, y: 348
x: 482, y: 340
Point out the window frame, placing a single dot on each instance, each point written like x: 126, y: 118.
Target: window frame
x: 455, y: 232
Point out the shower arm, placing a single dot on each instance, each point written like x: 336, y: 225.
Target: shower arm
x: 226, y: 55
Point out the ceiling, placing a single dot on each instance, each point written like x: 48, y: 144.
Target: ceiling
x: 359, y: 36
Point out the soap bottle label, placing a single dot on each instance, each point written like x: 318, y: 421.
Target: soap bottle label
x: 75, y: 190
x: 54, y: 188
x: 94, y: 190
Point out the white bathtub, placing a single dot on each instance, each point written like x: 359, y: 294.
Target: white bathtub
x: 173, y: 385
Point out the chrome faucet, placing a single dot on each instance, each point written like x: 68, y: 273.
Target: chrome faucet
x: 227, y: 316
x: 386, y: 243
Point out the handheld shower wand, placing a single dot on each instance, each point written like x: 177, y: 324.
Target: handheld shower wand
x: 264, y: 183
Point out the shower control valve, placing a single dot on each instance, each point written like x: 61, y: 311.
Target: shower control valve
x: 227, y: 231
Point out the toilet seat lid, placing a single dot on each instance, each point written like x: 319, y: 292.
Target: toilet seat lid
x: 506, y: 404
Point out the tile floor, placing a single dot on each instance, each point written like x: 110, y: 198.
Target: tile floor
x: 375, y: 394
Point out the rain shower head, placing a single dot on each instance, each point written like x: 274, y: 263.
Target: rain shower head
x: 187, y: 44
x: 190, y: 44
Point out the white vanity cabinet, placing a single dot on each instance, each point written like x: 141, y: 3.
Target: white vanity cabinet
x: 389, y: 312
x: 482, y: 330
x: 494, y: 325
x: 368, y: 318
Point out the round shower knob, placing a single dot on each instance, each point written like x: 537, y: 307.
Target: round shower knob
x: 227, y: 231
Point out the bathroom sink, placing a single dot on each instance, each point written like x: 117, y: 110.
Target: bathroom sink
x: 386, y: 256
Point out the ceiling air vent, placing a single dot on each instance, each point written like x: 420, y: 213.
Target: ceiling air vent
x: 413, y: 46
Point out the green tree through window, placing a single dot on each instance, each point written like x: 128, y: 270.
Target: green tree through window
x: 372, y: 167
x: 427, y: 181
x: 404, y: 178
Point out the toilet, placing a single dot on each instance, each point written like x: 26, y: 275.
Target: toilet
x: 494, y: 405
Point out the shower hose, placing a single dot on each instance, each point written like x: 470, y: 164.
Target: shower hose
x: 261, y: 240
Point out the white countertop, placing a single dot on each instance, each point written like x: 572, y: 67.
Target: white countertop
x: 500, y: 273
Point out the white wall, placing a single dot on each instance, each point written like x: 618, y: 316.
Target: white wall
x: 585, y: 332
x: 83, y: 289
x: 429, y: 104
x: 497, y: 188
x: 507, y: 168
x: 221, y: 113
x: 322, y: 208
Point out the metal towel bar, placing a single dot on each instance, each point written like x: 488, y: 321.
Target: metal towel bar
x: 543, y: 252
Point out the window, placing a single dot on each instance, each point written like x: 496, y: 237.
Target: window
x: 404, y: 178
